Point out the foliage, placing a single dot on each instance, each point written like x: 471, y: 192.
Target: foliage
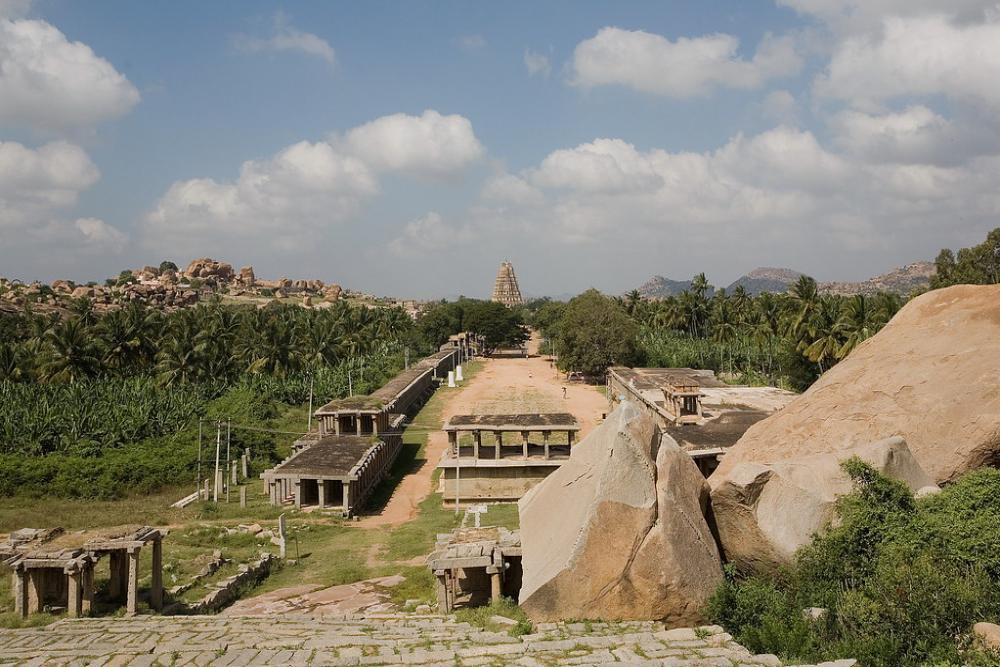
x: 978, y: 265
x: 481, y: 617
x: 903, y: 580
x: 781, y: 339
x: 595, y: 332
x: 499, y: 325
x: 101, y: 405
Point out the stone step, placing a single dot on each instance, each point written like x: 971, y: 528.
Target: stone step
x: 376, y: 640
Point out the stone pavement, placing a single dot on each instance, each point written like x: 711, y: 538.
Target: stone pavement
x: 374, y: 640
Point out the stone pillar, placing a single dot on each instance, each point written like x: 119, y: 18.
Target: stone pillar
x: 347, y: 497
x: 453, y: 443
x: 21, y: 586
x: 357, y: 425
x: 321, y: 492
x: 496, y: 591
x: 545, y: 442
x: 477, y: 444
x: 232, y: 477
x: 87, y: 603
x: 499, y: 438
x: 243, y: 496
x: 336, y: 424
x: 132, y: 598
x: 115, y: 565
x: 298, y: 494
x: 35, y: 588
x: 204, y: 493
x: 73, y: 586
x: 156, y: 587
x: 524, y: 445
x: 246, y: 468
x: 442, y: 591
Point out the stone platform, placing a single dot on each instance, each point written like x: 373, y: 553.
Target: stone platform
x: 374, y: 640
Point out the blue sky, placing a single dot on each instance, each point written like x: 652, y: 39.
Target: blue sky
x: 406, y: 148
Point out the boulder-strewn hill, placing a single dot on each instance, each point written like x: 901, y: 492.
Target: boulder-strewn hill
x: 659, y: 287
x: 766, y: 279
x: 902, y: 280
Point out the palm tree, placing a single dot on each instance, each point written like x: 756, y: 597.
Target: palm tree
x: 71, y: 353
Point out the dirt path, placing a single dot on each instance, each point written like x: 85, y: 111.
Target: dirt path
x: 501, y: 386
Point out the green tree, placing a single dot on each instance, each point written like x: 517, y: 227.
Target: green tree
x: 595, y: 332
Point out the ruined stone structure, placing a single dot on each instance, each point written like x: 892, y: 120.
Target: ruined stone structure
x: 476, y: 565
x: 505, y: 289
x: 358, y: 439
x: 704, y: 415
x: 505, y: 464
x: 56, y: 570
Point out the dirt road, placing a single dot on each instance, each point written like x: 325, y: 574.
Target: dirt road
x: 502, y: 386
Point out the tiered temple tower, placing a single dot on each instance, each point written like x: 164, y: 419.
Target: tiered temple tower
x: 505, y: 290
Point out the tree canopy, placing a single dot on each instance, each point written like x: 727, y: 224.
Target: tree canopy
x: 595, y: 332
x: 978, y: 265
x: 499, y: 325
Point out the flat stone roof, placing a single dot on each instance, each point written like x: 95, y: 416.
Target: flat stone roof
x: 388, y: 392
x: 532, y: 421
x: 332, y: 456
x: 660, y: 378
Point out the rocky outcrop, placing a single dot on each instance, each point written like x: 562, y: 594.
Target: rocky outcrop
x: 332, y: 292
x: 765, y: 512
x: 247, y: 277
x: 619, y: 531
x: 206, y: 267
x: 929, y: 376
x: 904, y: 280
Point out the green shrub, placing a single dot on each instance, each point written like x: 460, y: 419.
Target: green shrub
x: 903, y: 580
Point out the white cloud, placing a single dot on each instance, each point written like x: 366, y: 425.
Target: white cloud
x: 511, y: 189
x: 472, y: 42
x: 687, y: 67
x: 919, y: 56
x: 308, y: 189
x: 37, y: 186
x: 285, y: 37
x: 13, y: 9
x: 305, y: 187
x: 914, y: 135
x: 779, y: 193
x: 429, y: 144
x: 100, y: 233
x: 604, y: 165
x: 426, y: 234
x: 780, y: 106
x: 48, y: 82
x: 859, y: 15
x: 537, y: 63
x: 37, y: 181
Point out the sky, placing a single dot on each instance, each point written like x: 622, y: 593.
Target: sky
x: 407, y: 148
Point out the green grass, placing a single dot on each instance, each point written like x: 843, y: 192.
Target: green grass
x: 480, y: 617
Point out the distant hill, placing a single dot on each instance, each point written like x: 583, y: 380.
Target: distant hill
x: 766, y: 279
x: 903, y: 281
x: 659, y: 287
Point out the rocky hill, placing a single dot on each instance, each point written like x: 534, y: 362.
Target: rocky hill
x: 659, y: 287
x: 904, y: 281
x: 766, y: 279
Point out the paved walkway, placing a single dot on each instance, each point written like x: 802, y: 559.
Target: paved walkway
x: 394, y: 640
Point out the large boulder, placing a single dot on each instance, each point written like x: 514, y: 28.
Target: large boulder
x: 619, y: 531
x: 929, y: 376
x: 764, y: 512
x: 206, y: 267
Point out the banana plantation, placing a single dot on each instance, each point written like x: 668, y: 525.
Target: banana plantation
x: 102, y: 405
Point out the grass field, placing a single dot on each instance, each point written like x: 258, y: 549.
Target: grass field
x: 327, y: 550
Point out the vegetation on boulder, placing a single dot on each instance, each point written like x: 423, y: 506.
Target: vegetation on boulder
x: 900, y: 581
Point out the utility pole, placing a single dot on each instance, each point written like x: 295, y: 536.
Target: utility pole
x: 197, y: 485
x: 218, y: 446
x: 350, y: 386
x: 228, y: 439
x: 309, y: 424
